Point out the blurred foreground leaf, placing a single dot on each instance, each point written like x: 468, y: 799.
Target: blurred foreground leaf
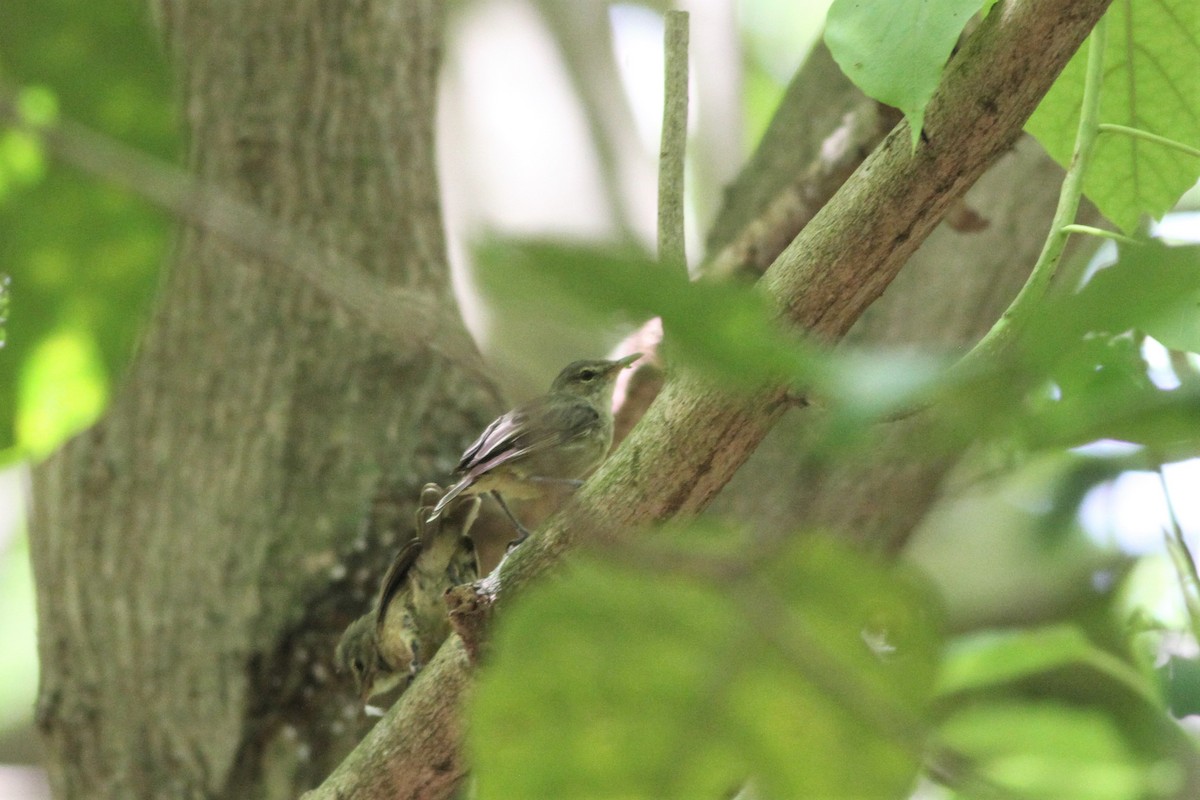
x: 726, y: 329
x: 1078, y: 374
x: 991, y: 658
x: 1055, y: 751
x: 1048, y: 713
x: 83, y: 257
x: 622, y: 682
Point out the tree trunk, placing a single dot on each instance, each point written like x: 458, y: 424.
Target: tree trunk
x: 198, y: 551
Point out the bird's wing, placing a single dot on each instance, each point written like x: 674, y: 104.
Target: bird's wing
x: 393, y: 579
x: 526, y: 429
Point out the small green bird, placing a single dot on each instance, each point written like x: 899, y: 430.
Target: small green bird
x: 558, y: 438
x: 386, y: 647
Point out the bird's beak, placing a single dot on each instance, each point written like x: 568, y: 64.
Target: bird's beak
x: 622, y: 363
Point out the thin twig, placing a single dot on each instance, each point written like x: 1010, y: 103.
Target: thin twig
x: 411, y: 319
x: 671, y: 247
x: 762, y: 239
x: 1025, y: 305
x: 1181, y: 557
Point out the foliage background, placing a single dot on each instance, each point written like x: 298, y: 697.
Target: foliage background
x: 84, y: 260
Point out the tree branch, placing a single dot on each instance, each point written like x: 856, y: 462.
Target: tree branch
x: 410, y: 318
x: 695, y: 436
x: 673, y: 150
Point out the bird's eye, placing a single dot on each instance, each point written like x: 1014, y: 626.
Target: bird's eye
x: 358, y: 666
x: 587, y: 375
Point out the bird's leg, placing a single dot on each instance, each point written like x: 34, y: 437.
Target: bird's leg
x: 521, y: 529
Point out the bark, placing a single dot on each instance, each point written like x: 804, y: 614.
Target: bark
x: 695, y: 436
x: 198, y: 552
x: 946, y: 298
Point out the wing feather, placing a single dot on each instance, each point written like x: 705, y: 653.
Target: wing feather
x: 527, y: 429
x: 394, y: 578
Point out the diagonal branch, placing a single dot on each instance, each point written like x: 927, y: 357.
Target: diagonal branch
x: 411, y: 319
x: 695, y: 436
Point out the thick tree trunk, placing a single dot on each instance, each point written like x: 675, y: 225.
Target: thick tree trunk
x: 198, y: 552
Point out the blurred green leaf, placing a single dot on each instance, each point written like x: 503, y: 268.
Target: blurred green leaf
x: 37, y: 105
x: 22, y: 161
x: 63, y: 390
x: 1168, y: 278
x: 1151, y: 82
x: 1079, y: 375
x: 895, y: 50
x: 1169, y: 422
x: 988, y: 659
x: 1050, y: 712
x: 652, y: 684
x: 726, y: 329
x: 1055, y: 751
x: 1181, y: 682
x: 83, y: 257
x: 1070, y: 488
x: 1152, y: 288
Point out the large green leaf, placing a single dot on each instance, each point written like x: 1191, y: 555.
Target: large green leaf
x: 991, y: 658
x: 727, y: 329
x: 619, y: 682
x: 1049, y: 713
x: 83, y: 257
x: 1077, y: 374
x: 1151, y: 82
x: 895, y: 50
x: 1054, y: 751
x: 1151, y: 288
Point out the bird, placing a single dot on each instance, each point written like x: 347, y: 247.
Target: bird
x: 558, y: 438
x: 385, y: 648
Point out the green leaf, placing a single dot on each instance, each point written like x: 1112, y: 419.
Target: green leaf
x: 895, y: 50
x: 1048, y: 713
x: 1070, y: 488
x: 22, y: 162
x: 1168, y: 288
x: 1085, y: 348
x: 1151, y: 82
x: 63, y: 390
x: 1055, y: 751
x: 84, y: 258
x: 728, y: 330
x: 989, y: 659
x: 1152, y: 288
x: 620, y: 682
x: 37, y: 105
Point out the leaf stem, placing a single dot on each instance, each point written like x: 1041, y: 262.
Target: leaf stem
x: 1181, y: 557
x: 1088, y: 230
x: 1137, y: 133
x: 1016, y: 318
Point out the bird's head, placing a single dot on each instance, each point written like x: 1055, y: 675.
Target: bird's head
x: 358, y: 654
x: 591, y: 379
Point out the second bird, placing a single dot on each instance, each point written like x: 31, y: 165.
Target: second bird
x: 558, y: 438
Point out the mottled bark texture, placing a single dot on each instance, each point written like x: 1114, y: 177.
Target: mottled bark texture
x: 199, y: 550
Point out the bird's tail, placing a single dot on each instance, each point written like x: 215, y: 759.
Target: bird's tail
x: 448, y: 498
